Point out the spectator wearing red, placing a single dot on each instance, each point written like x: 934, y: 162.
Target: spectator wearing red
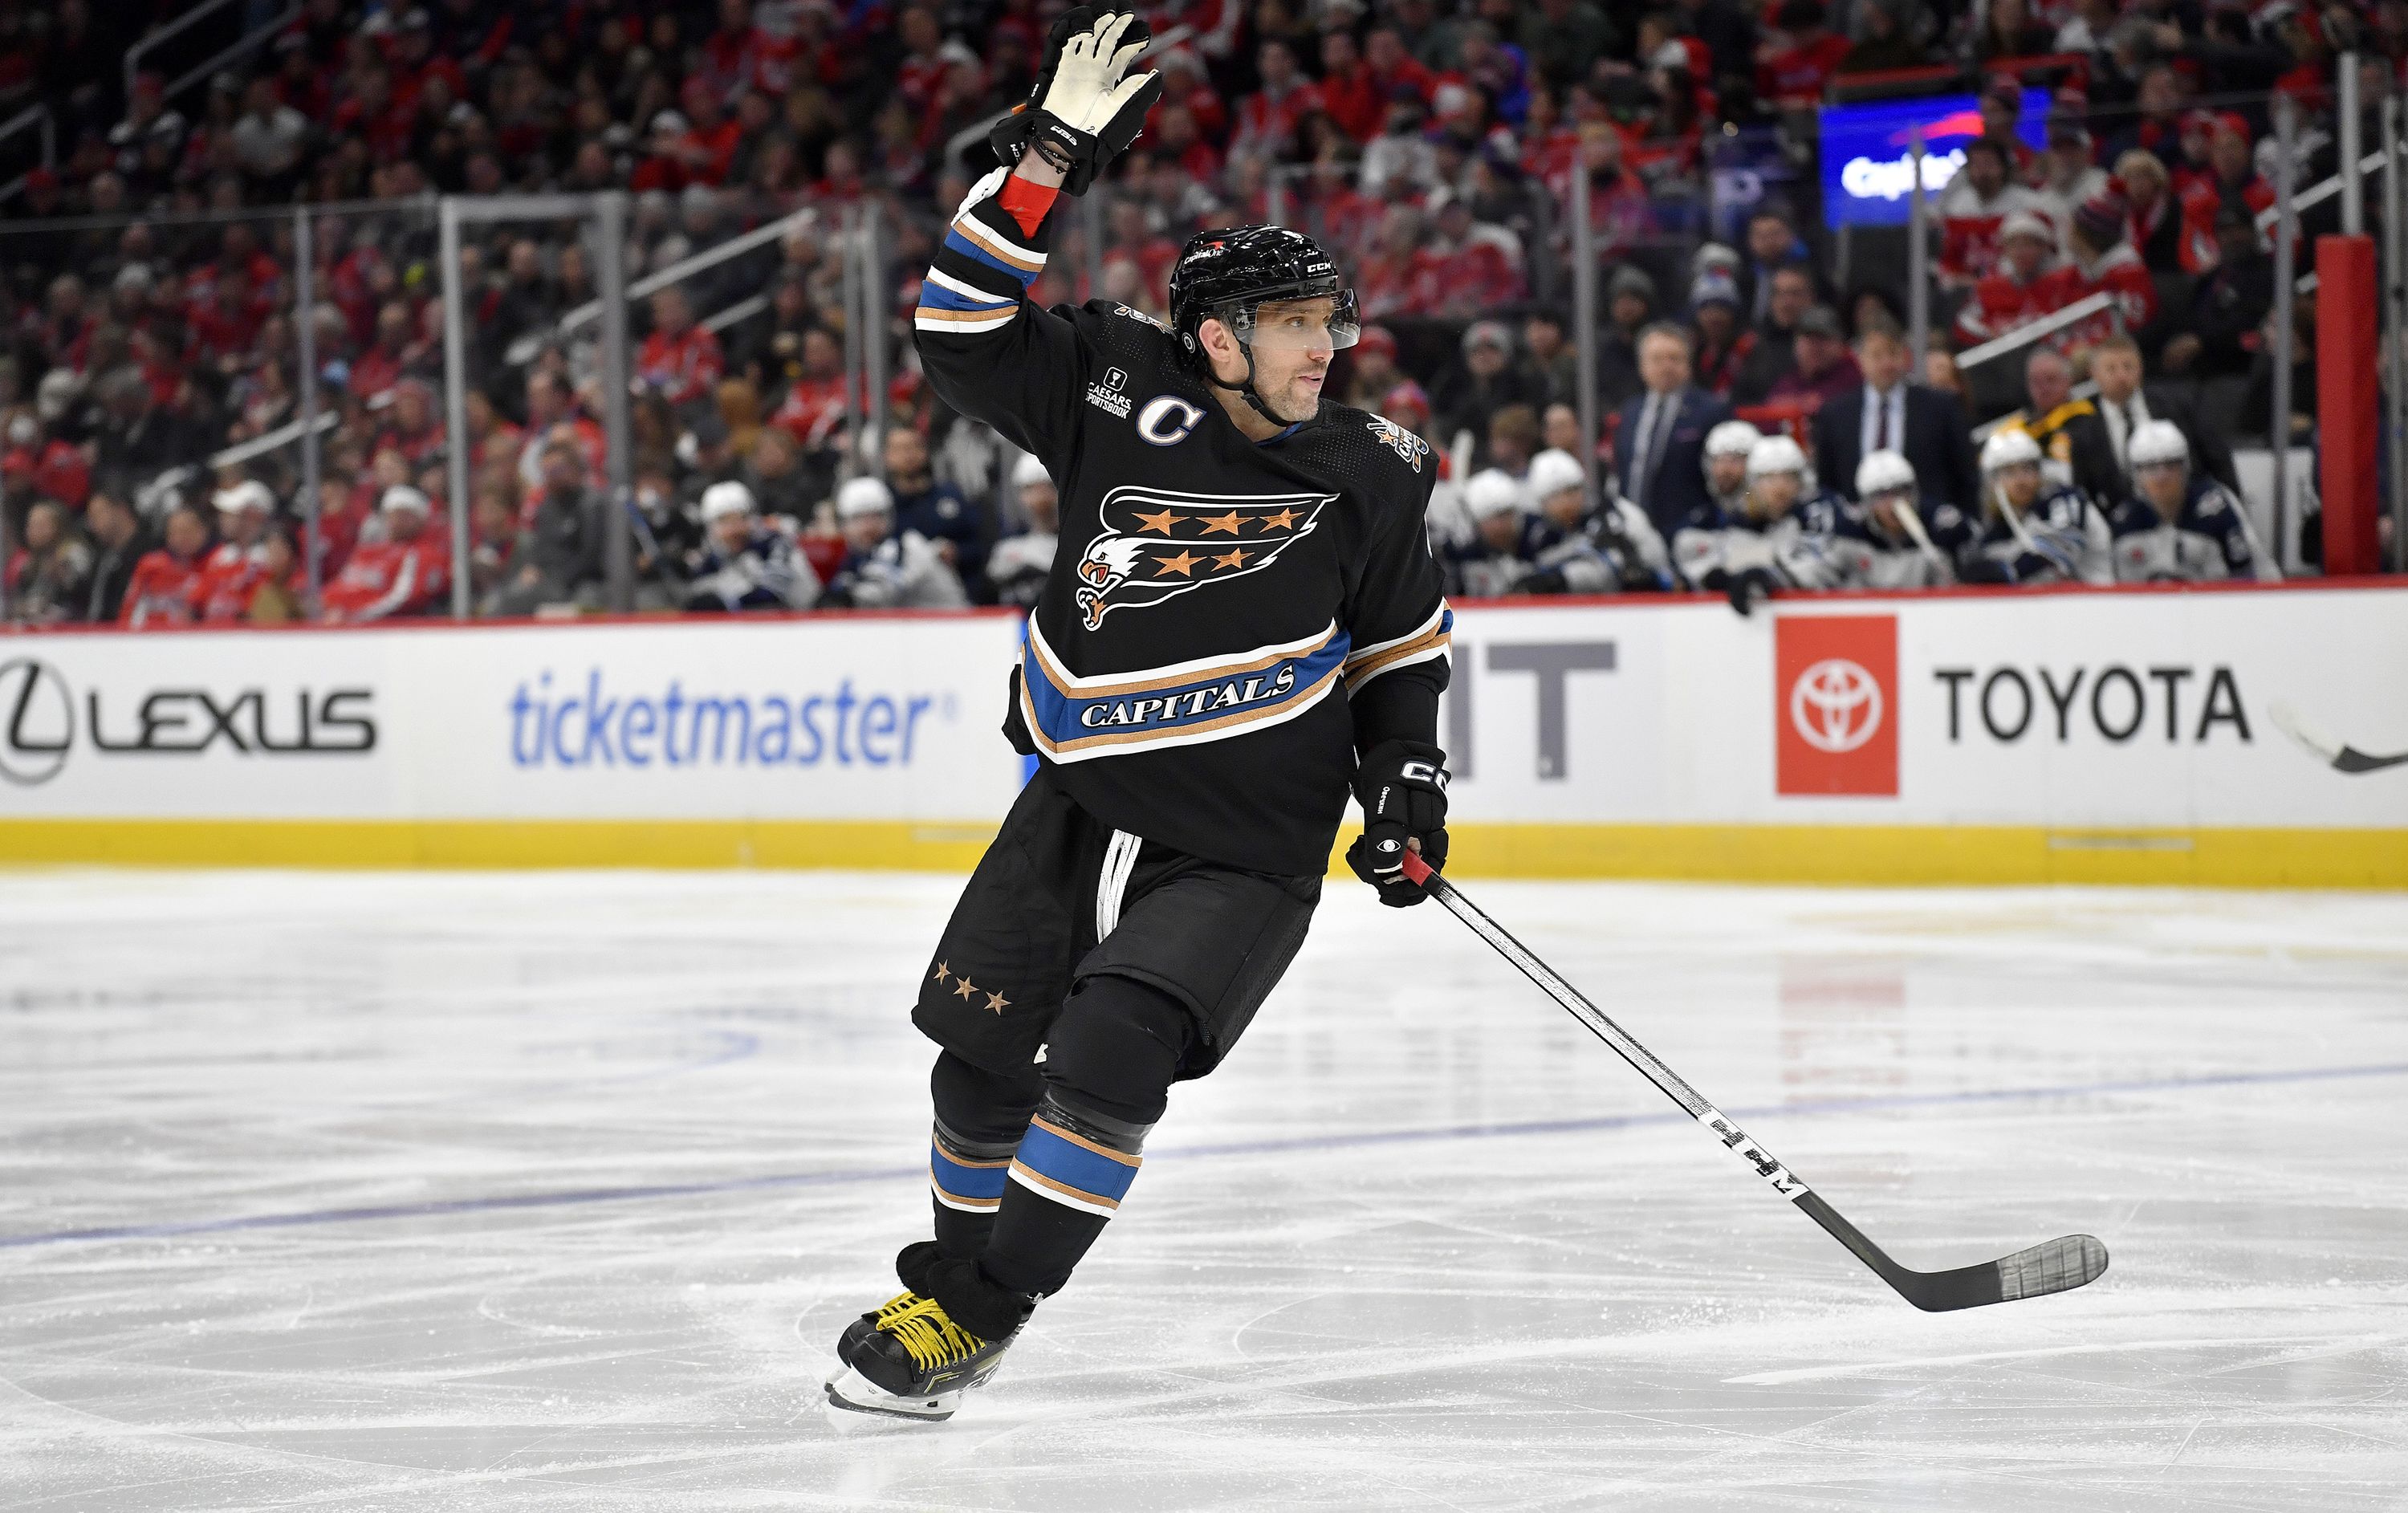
x: 2013, y: 295
x: 1183, y: 83
x: 232, y: 570
x: 2194, y: 168
x: 407, y: 572
x: 813, y: 409
x: 739, y: 55
x: 224, y: 327
x: 1794, y: 68
x: 165, y: 587
x: 1394, y: 67
x: 416, y: 63
x: 375, y: 372
x: 2100, y: 260
x: 1173, y: 136
x: 370, y: 112
x: 1972, y: 208
x: 679, y: 358
x: 1132, y: 241
x: 1823, y: 367
x: 1619, y: 211
x: 44, y: 467
x: 2067, y: 176
x: 2234, y: 178
x: 1474, y: 269
x: 1350, y: 91
x: 1267, y: 118
x: 411, y: 426
x: 1397, y: 277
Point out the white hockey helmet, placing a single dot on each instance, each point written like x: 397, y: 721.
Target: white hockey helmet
x: 1029, y: 470
x: 863, y: 495
x: 1553, y: 471
x: 1732, y: 438
x: 402, y: 496
x: 1491, y: 492
x: 1883, y: 472
x: 724, y: 499
x: 1778, y: 453
x: 249, y: 495
x: 2008, y: 447
x: 2158, y: 441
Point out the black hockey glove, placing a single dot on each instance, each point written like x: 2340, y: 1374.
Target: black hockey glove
x: 1083, y: 113
x: 1749, y: 589
x: 1402, y: 786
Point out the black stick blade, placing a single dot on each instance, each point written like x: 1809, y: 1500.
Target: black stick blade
x: 2062, y: 1265
x: 2059, y: 1265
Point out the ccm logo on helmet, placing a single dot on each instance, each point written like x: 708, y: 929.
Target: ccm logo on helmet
x: 1167, y: 419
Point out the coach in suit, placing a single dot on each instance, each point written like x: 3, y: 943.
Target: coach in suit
x: 2125, y: 403
x: 1659, y: 446
x: 1889, y: 411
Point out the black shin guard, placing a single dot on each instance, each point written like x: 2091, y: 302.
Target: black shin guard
x: 1107, y: 1077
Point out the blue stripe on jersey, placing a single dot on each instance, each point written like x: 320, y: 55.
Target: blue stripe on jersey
x: 1143, y: 708
x: 956, y: 242
x: 1068, y: 1164
x: 936, y: 296
x: 964, y: 1181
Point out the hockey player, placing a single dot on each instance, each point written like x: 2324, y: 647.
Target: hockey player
x: 886, y: 568
x: 407, y: 572
x: 1882, y: 540
x: 1584, y: 551
x: 1780, y: 536
x: 1244, y: 620
x: 234, y: 567
x: 744, y: 563
x: 1726, y: 461
x: 1504, y: 537
x: 2179, y: 525
x: 2031, y: 531
x: 1020, y: 565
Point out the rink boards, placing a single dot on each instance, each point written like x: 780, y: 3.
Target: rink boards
x: 2141, y: 735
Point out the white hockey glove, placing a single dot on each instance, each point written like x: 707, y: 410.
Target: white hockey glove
x: 1087, y: 107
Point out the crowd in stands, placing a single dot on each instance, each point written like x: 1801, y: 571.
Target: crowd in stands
x: 148, y: 289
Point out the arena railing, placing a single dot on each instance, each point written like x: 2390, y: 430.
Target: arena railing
x: 32, y: 118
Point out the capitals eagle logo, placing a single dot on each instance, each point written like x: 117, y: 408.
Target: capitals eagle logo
x: 1157, y: 544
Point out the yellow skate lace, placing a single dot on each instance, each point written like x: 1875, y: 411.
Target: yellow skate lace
x: 932, y: 1337
x: 896, y: 1305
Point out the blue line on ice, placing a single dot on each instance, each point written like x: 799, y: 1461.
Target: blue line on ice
x: 573, y: 1197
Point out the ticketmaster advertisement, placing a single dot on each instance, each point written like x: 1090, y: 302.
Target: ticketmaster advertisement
x: 2140, y: 735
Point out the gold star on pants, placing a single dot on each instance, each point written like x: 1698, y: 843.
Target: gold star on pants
x: 964, y: 989
x: 996, y: 1003
x: 942, y: 973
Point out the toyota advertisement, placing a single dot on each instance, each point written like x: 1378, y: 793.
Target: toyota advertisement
x: 1869, y: 160
x: 1935, y: 735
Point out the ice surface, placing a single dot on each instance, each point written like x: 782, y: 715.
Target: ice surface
x: 551, y: 1191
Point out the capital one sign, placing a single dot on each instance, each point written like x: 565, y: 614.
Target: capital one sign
x: 1835, y: 704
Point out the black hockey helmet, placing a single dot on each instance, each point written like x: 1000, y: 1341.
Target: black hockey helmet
x: 1225, y: 274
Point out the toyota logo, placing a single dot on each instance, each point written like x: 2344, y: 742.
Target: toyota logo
x: 36, y: 721
x: 1835, y: 705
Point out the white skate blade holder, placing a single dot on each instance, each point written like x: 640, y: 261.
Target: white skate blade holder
x: 849, y: 1391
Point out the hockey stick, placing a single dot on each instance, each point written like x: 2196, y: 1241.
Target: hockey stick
x: 2338, y: 755
x: 2059, y: 1265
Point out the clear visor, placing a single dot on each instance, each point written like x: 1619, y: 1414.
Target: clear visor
x: 1325, y: 323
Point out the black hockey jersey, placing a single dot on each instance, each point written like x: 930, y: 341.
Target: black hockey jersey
x: 1227, y: 623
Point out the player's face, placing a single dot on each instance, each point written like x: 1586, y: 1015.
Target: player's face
x: 2020, y: 483
x: 404, y: 524
x: 1886, y: 509
x: 2161, y: 485
x: 186, y: 535
x: 863, y: 533
x: 1293, y: 346
x: 1771, y: 495
x: 1044, y: 504
x: 1501, y: 532
x: 243, y: 527
x: 1562, y: 508
x: 732, y: 531
x: 1725, y: 474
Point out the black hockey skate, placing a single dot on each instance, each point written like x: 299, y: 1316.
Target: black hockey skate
x: 910, y: 1360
